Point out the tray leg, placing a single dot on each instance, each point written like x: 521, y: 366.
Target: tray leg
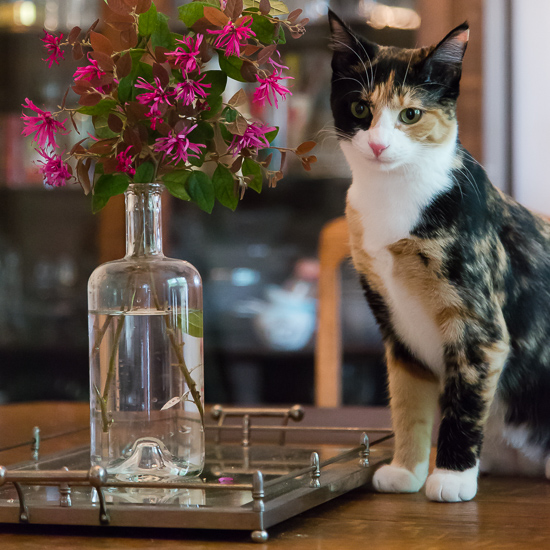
x: 259, y: 536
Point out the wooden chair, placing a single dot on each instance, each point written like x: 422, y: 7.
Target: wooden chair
x: 334, y: 248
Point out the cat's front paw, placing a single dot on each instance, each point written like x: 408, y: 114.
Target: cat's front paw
x: 450, y: 486
x: 395, y: 479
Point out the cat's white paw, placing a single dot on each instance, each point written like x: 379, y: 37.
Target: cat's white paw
x: 395, y: 479
x: 450, y: 486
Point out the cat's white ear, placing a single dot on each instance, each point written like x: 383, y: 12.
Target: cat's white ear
x: 451, y: 49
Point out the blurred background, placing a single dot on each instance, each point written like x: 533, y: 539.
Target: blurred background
x: 259, y: 263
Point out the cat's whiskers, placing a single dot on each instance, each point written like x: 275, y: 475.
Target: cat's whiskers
x: 330, y: 133
x: 457, y: 181
x: 370, y: 63
x: 370, y: 83
x: 407, y: 71
x: 362, y: 84
x: 470, y: 179
x: 467, y: 153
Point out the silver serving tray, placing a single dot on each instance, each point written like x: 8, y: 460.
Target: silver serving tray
x: 245, y: 485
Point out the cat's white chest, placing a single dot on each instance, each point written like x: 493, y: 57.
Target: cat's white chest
x: 389, y: 214
x: 412, y: 322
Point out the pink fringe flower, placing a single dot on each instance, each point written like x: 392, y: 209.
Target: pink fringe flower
x: 269, y: 86
x: 156, y: 98
x: 154, y: 120
x: 125, y: 162
x: 233, y: 37
x: 92, y: 73
x: 51, y: 43
x: 55, y: 171
x: 253, y: 138
x: 186, y: 60
x: 191, y: 89
x: 89, y: 72
x: 43, y: 123
x: 177, y: 146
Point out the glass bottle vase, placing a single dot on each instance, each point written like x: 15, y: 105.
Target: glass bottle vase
x: 146, y: 354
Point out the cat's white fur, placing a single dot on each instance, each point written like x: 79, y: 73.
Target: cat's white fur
x: 448, y: 486
x: 389, y: 193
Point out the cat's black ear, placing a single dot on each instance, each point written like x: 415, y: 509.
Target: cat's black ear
x: 451, y: 49
x: 349, y: 49
x: 444, y: 62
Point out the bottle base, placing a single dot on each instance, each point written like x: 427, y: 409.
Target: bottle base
x: 150, y: 461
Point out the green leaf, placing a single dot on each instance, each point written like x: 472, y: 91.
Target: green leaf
x: 146, y: 71
x: 215, y: 103
x: 201, y: 190
x: 192, y: 12
x: 107, y: 186
x: 282, y: 36
x: 125, y: 87
x: 142, y: 70
x: 162, y: 35
x: 277, y: 7
x: 145, y: 173
x: 191, y: 323
x: 270, y: 136
x: 203, y: 133
x: 104, y: 106
x: 263, y: 28
x: 218, y: 81
x: 230, y: 114
x: 98, y: 203
x: 101, y: 126
x: 175, y: 183
x: 148, y: 21
x: 136, y: 56
x: 231, y: 66
x: 251, y: 168
x: 224, y: 186
x: 194, y: 323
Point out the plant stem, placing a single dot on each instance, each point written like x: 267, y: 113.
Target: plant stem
x: 101, y: 334
x: 179, y: 353
x: 110, y: 374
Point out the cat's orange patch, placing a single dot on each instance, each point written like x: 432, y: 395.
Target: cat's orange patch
x: 414, y: 397
x: 434, y: 128
x: 383, y: 93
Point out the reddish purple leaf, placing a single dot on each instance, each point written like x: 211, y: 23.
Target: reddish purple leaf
x: 123, y: 65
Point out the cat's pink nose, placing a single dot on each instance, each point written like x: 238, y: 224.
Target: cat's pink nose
x: 377, y: 148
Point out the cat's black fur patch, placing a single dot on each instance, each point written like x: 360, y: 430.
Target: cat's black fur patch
x: 493, y: 262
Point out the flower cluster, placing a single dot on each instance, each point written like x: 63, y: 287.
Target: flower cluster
x: 159, y: 110
x: 45, y: 127
x: 52, y: 45
x: 233, y: 36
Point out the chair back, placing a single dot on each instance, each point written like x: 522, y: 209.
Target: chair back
x: 334, y: 248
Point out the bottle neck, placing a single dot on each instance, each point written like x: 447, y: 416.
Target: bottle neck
x: 143, y: 220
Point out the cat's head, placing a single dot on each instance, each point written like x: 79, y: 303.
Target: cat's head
x: 395, y: 107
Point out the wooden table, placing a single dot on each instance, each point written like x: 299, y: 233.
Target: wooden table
x: 508, y: 513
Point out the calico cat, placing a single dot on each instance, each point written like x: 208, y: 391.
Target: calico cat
x: 456, y: 273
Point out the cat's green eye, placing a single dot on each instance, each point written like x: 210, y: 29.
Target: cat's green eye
x: 410, y: 116
x: 359, y: 109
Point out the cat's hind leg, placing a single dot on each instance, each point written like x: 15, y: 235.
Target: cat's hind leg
x: 413, y: 401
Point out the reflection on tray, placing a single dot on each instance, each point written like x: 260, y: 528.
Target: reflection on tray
x: 243, y: 486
